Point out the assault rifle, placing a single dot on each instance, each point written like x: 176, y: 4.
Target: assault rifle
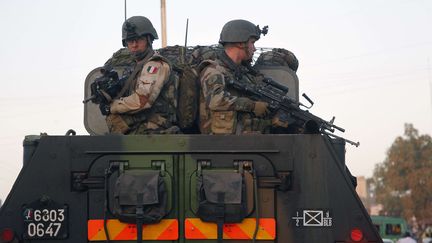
x: 106, y: 87
x: 275, y: 94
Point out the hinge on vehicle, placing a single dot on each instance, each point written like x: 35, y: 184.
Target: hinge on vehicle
x: 81, y: 182
x: 160, y: 165
x: 243, y: 165
x: 201, y: 164
x: 282, y: 182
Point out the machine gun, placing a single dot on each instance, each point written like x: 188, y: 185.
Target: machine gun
x: 106, y: 87
x: 275, y: 94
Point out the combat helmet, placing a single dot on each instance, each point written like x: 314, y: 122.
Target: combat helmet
x: 137, y: 26
x: 240, y: 30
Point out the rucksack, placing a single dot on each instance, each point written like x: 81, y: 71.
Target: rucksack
x: 279, y: 57
x: 184, y: 62
x: 122, y: 61
x: 113, y: 75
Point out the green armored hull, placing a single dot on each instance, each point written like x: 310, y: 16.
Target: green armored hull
x: 265, y: 188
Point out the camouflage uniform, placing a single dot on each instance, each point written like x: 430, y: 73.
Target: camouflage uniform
x: 223, y: 109
x: 147, y: 103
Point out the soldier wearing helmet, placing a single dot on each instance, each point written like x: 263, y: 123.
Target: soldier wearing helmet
x: 223, y: 109
x: 147, y: 103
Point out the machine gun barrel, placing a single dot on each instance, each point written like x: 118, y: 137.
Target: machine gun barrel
x: 346, y: 140
x: 276, y: 96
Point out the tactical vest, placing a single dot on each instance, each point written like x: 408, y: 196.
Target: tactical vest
x: 236, y: 122
x: 163, y: 111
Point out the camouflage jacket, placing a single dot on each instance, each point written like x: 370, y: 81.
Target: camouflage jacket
x: 148, y: 102
x: 223, y: 109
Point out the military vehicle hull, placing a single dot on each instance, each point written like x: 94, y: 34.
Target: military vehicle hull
x: 297, y: 188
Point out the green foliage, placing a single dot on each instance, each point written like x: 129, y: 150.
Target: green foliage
x: 403, y: 182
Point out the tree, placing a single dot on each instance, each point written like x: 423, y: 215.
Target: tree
x: 403, y: 182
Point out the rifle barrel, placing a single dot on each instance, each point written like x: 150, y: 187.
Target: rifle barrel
x: 89, y: 99
x: 346, y: 140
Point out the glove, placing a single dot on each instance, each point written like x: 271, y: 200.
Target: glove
x: 105, y: 109
x: 260, y: 109
x: 280, y: 120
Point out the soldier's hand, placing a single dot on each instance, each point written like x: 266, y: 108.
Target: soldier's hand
x: 105, y: 109
x: 261, y: 108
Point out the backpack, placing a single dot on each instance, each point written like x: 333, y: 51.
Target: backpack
x: 184, y: 62
x: 112, y: 78
x: 278, y: 57
x: 122, y: 61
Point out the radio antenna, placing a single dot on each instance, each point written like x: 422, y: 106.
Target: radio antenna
x: 187, y: 26
x: 125, y: 9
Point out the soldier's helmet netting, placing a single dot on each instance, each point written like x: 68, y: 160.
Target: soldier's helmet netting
x: 240, y: 30
x: 137, y: 26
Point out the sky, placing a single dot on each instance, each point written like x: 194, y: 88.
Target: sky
x: 368, y: 63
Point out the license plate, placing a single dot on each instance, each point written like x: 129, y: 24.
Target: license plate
x: 45, y: 220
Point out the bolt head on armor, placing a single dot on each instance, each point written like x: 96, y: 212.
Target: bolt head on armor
x: 240, y: 30
x: 137, y: 26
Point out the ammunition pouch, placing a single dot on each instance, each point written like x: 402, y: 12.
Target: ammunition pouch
x: 140, y: 195
x: 223, y: 122
x: 222, y: 198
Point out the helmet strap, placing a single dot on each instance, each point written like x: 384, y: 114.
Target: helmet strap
x: 246, y: 47
x: 139, y: 56
x: 149, y: 41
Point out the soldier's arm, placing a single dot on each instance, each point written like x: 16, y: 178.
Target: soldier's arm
x: 149, y: 85
x: 216, y: 96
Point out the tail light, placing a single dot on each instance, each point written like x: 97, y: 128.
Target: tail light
x: 7, y: 235
x: 356, y: 235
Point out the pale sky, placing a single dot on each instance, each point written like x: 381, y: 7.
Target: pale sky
x: 366, y: 62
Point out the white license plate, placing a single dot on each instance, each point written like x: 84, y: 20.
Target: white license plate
x: 45, y: 221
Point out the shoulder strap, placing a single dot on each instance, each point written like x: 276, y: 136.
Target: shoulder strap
x: 130, y: 81
x: 129, y: 84
x: 157, y: 57
x: 205, y: 64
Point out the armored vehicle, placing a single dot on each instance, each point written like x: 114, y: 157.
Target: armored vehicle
x: 282, y: 188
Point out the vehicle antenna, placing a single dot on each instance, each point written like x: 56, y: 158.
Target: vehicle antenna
x: 125, y: 10
x: 187, y: 26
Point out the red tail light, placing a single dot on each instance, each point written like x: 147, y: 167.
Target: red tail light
x: 356, y: 235
x: 7, y: 235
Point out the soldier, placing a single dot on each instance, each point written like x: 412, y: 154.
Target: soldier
x: 147, y: 103
x: 223, y: 109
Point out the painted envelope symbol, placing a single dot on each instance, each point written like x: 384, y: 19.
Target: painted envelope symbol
x: 313, y: 218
